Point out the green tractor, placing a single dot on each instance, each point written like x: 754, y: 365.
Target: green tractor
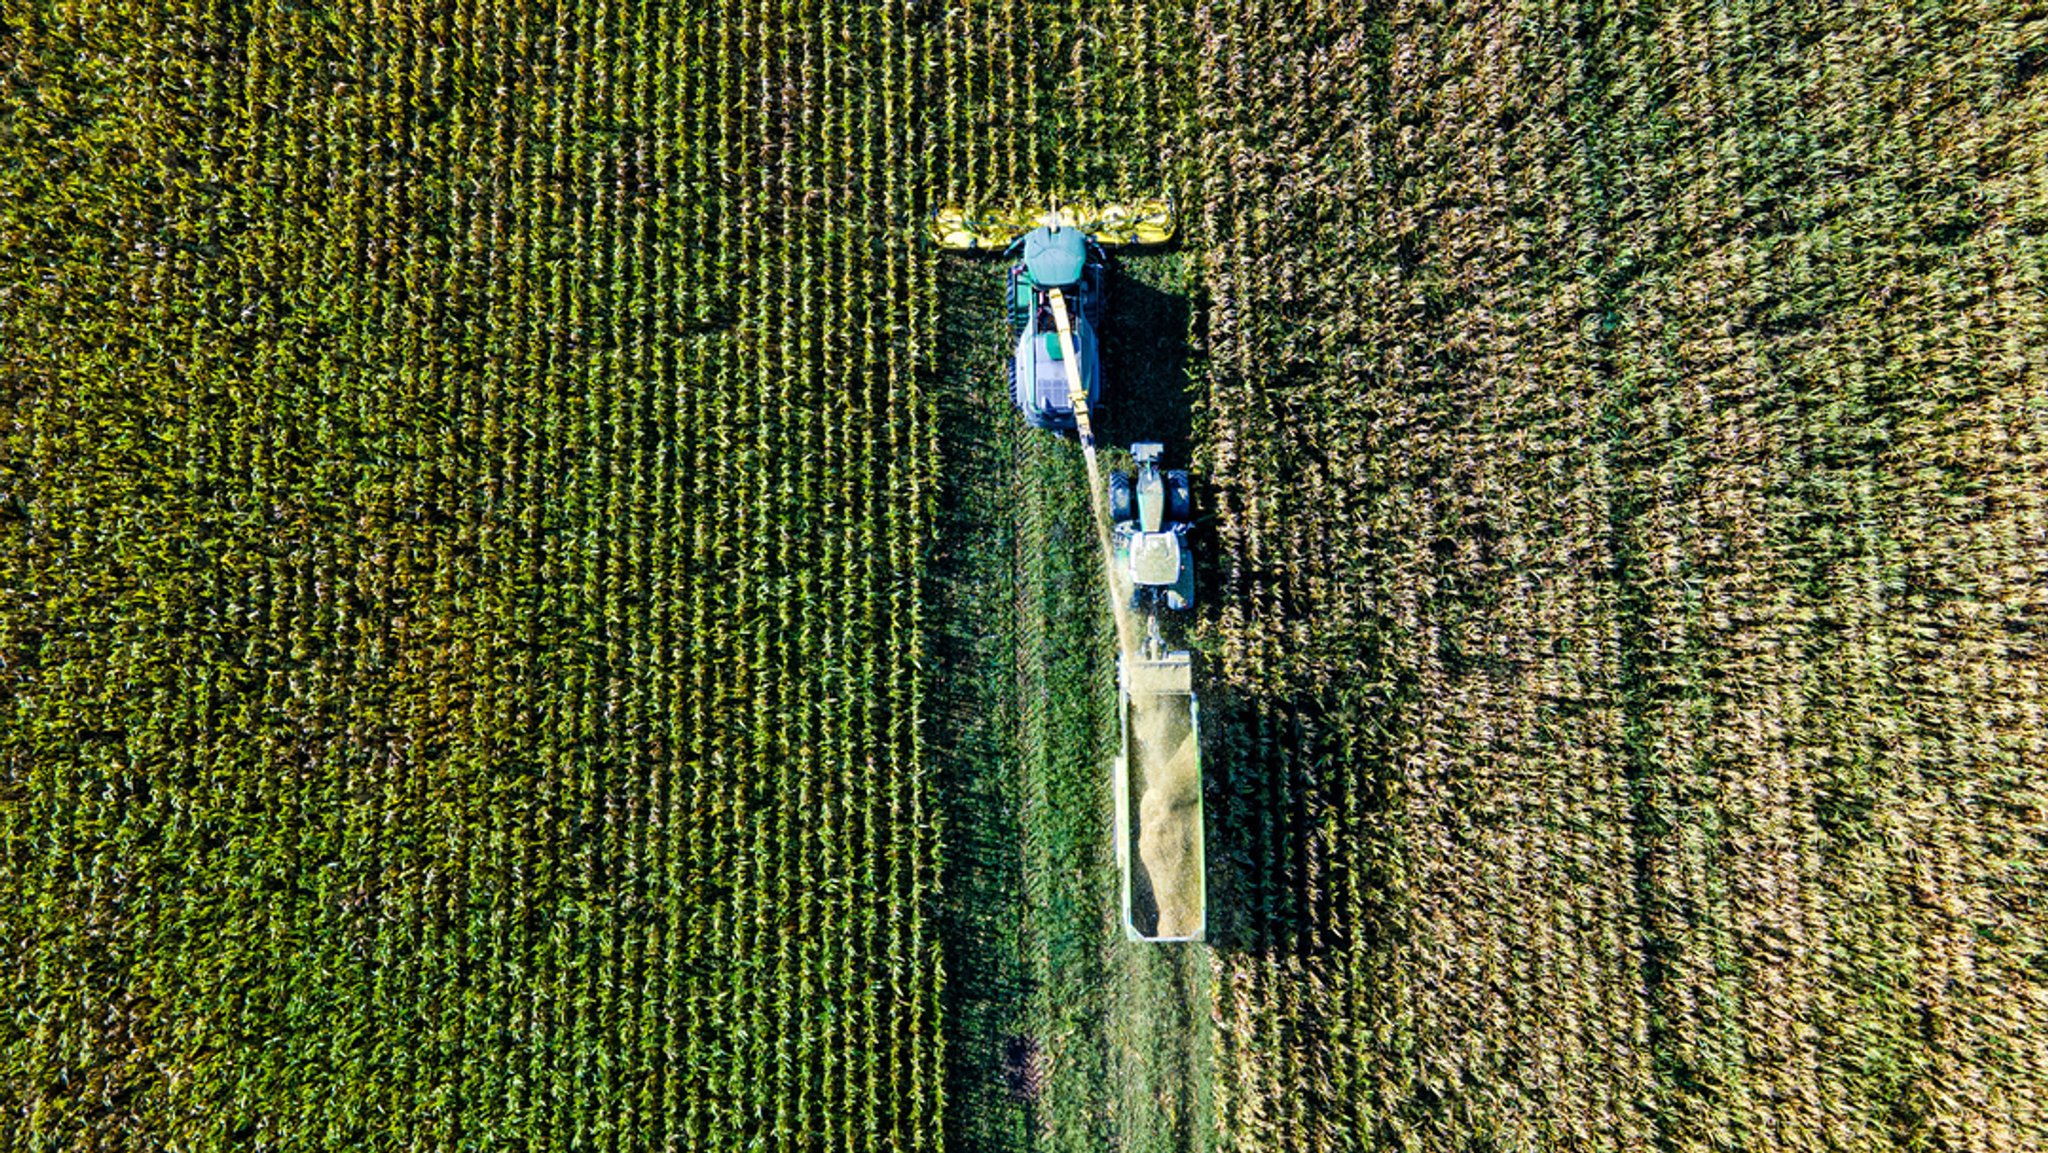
x: 1151, y: 515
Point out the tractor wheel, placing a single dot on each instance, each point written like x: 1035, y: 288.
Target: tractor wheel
x: 1180, y: 505
x: 1119, y: 497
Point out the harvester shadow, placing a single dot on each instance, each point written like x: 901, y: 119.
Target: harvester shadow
x: 1145, y: 365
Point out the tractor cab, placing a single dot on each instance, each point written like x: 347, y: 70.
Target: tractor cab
x: 1152, y: 516
x: 1055, y: 257
x: 1048, y: 257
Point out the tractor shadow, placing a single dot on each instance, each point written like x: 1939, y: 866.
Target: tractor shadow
x: 1301, y: 794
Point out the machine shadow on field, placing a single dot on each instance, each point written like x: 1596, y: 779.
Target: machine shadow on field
x: 1287, y: 877
x: 1145, y: 363
x: 1284, y: 880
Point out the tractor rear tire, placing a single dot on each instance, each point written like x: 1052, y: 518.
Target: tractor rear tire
x: 1119, y: 497
x: 1180, y: 505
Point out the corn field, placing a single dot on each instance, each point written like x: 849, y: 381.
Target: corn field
x: 468, y: 470
x: 528, y: 621
x: 1628, y: 425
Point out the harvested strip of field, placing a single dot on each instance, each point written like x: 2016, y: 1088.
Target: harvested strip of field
x: 1078, y: 1039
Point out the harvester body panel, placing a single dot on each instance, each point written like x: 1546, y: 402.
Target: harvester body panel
x: 1038, y: 381
x: 1055, y: 257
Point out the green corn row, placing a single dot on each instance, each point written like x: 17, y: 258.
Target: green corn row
x: 1617, y: 420
x: 467, y: 481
